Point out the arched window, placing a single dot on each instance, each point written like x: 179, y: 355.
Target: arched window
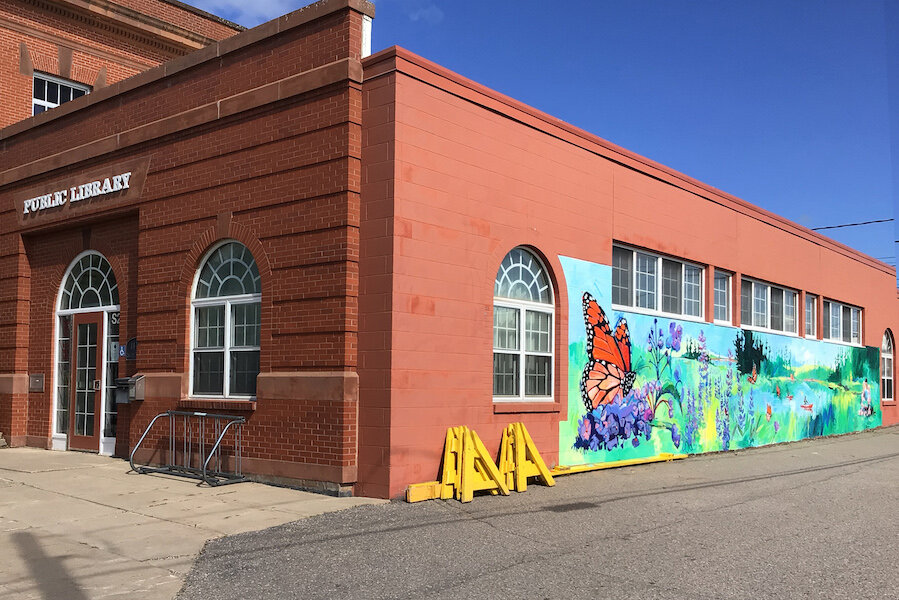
x: 886, y: 367
x: 523, y: 314
x: 90, y: 284
x: 226, y: 321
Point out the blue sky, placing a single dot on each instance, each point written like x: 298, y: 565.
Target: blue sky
x: 783, y: 103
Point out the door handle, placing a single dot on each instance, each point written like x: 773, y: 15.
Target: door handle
x: 97, y: 385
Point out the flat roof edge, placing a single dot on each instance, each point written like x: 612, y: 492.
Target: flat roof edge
x: 206, y: 15
x: 378, y: 65
x: 248, y: 37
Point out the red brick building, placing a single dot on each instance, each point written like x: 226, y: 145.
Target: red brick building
x: 315, y: 240
x: 84, y: 45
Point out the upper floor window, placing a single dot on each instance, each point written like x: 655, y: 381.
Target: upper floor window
x: 767, y: 306
x: 656, y: 283
x: 523, y: 315
x: 50, y: 92
x: 226, y: 323
x: 722, y: 296
x: 842, y: 323
x: 811, y: 315
x: 886, y: 367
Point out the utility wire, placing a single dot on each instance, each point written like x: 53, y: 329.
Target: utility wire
x: 852, y: 225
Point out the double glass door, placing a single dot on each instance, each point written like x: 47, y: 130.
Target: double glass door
x: 86, y: 389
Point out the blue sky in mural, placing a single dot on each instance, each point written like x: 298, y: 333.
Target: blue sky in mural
x: 783, y: 103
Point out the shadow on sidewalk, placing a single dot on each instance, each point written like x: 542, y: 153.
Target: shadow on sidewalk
x: 47, y: 572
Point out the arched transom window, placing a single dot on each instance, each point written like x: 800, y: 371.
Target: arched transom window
x: 886, y: 367
x: 90, y: 284
x: 226, y: 323
x: 523, y: 315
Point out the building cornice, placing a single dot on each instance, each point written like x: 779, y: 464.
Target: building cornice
x: 397, y: 59
x: 128, y: 23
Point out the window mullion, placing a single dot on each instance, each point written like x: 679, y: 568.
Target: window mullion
x: 226, y: 384
x: 521, y: 353
x: 658, y: 306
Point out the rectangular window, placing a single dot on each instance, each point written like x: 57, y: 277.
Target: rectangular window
x: 672, y: 286
x: 622, y: 276
x: 505, y: 337
x: 842, y: 323
x: 759, y: 305
x: 777, y: 309
x: 692, y: 291
x: 646, y: 281
x: 511, y: 328
x: 773, y: 307
x: 49, y: 92
x: 745, y: 302
x: 667, y: 285
x: 722, y: 296
x: 811, y: 315
x: 835, y: 321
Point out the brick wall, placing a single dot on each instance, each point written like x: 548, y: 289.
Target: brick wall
x: 82, y: 48
x: 279, y: 174
x: 456, y: 175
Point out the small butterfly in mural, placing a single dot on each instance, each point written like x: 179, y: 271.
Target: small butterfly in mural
x: 608, y: 371
x: 752, y: 378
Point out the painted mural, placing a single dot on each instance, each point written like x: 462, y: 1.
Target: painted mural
x: 640, y: 385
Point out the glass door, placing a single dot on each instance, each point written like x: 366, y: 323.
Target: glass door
x: 84, y: 415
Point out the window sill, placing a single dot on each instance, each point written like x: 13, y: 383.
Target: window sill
x: 658, y: 313
x: 214, y: 404
x: 770, y: 331
x: 888, y: 402
x: 842, y: 343
x: 526, y: 407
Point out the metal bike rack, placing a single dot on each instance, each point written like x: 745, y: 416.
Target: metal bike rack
x: 194, y: 428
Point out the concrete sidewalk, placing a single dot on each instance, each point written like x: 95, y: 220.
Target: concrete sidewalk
x: 80, y: 526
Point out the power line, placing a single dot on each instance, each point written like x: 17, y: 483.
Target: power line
x: 852, y: 225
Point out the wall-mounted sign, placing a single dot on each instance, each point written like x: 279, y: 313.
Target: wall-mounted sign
x: 86, y: 192
x: 77, y: 193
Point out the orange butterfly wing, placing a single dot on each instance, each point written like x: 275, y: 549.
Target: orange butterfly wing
x: 600, y: 383
x: 608, y: 371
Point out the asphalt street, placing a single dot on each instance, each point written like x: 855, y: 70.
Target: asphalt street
x: 814, y: 519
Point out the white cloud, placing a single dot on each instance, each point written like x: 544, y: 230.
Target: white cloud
x: 430, y: 14
x: 249, y: 13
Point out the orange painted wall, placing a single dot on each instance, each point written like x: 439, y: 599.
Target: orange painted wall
x: 472, y: 174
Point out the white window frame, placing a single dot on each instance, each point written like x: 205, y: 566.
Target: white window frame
x: 227, y: 349
x: 522, y: 353
x: 887, y: 366
x: 58, y: 81
x: 657, y: 311
x: 826, y: 334
x: 767, y: 327
x: 523, y: 306
x: 814, y: 317
x: 59, y: 441
x: 728, y: 301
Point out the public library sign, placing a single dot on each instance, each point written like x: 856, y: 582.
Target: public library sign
x: 88, y: 192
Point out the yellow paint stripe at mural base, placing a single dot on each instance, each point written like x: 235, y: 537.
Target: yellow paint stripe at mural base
x: 664, y: 457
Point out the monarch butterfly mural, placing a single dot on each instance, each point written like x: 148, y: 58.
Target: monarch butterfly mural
x: 650, y: 384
